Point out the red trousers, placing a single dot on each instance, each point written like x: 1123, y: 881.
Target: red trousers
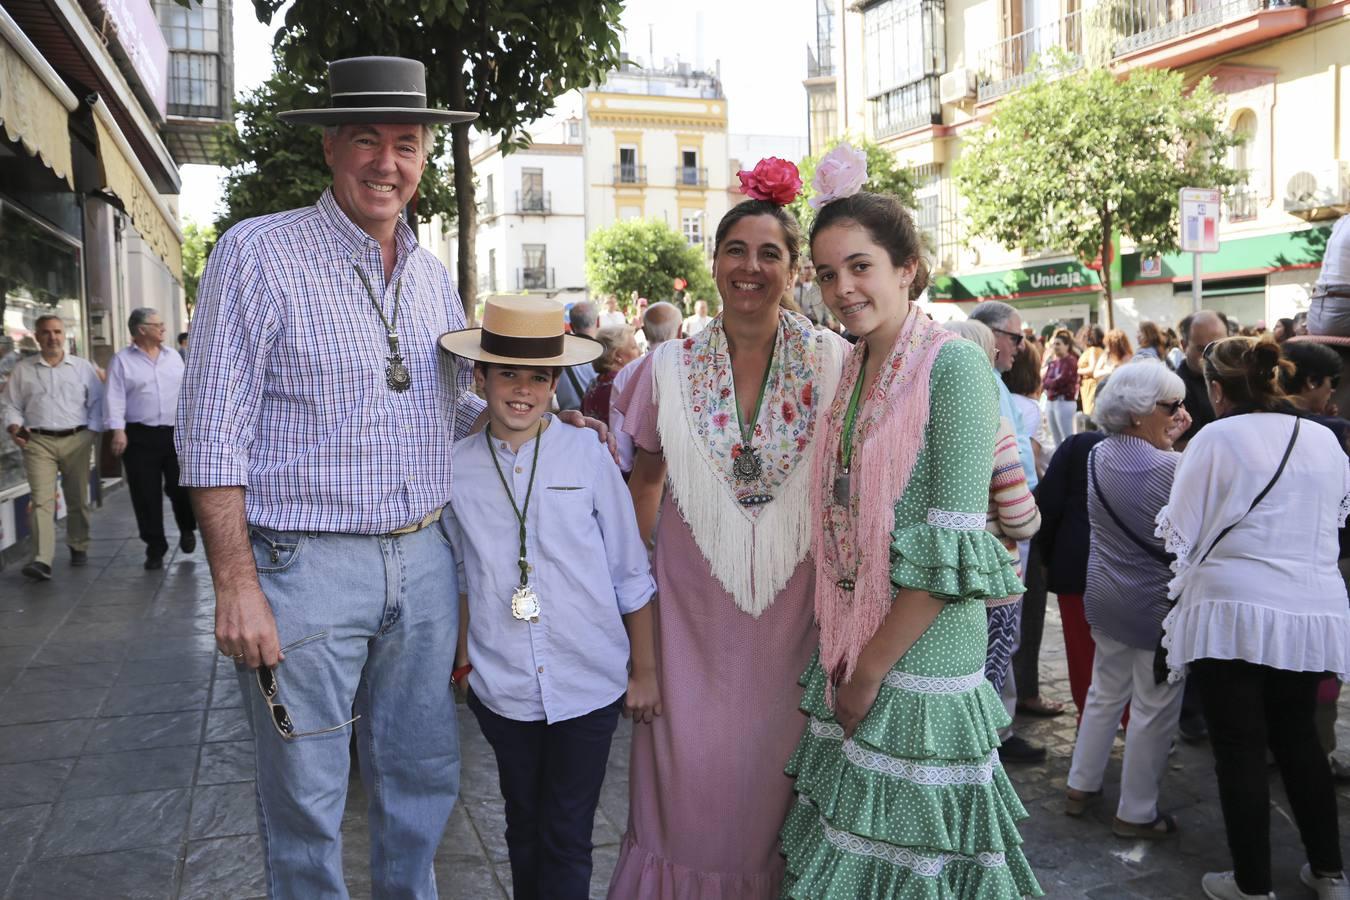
x: 1080, y: 649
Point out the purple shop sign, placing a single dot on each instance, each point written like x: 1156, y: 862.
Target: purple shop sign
x: 140, y: 38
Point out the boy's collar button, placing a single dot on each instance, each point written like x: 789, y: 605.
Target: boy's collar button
x: 519, y: 470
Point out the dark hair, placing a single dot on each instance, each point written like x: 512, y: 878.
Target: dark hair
x: 1150, y: 335
x: 887, y: 223
x: 182, y: 336
x: 792, y: 232
x: 1312, y: 362
x: 1095, y: 336
x: 478, y: 365
x: 1024, y: 376
x: 37, y: 323
x: 1247, y: 369
x: 1287, y: 325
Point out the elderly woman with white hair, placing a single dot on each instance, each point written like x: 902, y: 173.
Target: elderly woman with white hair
x: 1141, y: 408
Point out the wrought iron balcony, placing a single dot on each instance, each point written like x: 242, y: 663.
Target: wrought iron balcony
x: 906, y: 108
x: 1143, y: 23
x: 1240, y: 205
x: 691, y: 176
x: 534, y: 203
x: 534, y: 278
x: 630, y: 174
x: 1010, y: 64
x: 487, y: 207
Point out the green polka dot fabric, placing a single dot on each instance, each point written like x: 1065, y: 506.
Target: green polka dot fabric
x: 916, y: 804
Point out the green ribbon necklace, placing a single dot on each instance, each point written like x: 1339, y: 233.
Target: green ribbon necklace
x: 843, y: 486
x: 746, y: 463
x: 524, y: 602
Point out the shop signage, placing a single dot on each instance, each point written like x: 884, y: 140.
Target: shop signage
x: 1015, y: 284
x: 1200, y: 220
x: 141, y: 40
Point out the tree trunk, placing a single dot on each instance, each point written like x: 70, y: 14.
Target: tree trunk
x: 466, y: 209
x: 1110, y: 315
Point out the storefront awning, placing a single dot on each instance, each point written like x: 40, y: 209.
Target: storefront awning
x: 1302, y: 249
x: 35, y: 105
x: 1029, y: 283
x: 122, y: 175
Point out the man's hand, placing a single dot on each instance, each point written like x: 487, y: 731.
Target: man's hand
x: 642, y: 703
x: 853, y: 700
x: 119, y: 441
x: 246, y: 631
x: 17, y: 437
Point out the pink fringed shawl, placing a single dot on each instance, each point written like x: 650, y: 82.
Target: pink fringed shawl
x: 854, y: 542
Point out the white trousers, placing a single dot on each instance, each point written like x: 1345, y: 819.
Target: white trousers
x: 1122, y: 675
x: 1060, y: 413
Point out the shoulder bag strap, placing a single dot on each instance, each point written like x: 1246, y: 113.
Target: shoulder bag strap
x: 1261, y: 496
x: 575, y: 382
x: 1161, y: 556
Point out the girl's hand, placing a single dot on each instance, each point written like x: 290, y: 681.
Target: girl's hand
x: 853, y: 700
x: 642, y: 703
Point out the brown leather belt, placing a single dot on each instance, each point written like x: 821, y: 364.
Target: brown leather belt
x: 418, y: 526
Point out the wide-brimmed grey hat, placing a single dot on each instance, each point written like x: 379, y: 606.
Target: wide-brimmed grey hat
x: 376, y: 90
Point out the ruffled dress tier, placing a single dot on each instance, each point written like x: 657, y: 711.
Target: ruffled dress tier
x: 916, y: 805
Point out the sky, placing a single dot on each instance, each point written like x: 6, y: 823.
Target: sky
x: 761, y: 45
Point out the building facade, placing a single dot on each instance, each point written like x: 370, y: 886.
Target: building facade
x: 89, y: 181
x: 918, y: 75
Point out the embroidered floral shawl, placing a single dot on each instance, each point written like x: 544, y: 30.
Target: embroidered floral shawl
x: 854, y: 542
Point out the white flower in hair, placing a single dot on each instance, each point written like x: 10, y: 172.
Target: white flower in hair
x: 840, y: 173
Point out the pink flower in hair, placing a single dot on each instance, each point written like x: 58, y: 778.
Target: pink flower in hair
x: 841, y: 173
x: 773, y: 179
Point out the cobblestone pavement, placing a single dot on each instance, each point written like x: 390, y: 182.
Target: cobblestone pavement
x: 125, y: 761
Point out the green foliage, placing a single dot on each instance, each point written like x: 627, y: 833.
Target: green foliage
x: 646, y: 257
x: 884, y: 176
x: 1070, y: 159
x: 198, y: 240
x: 274, y: 166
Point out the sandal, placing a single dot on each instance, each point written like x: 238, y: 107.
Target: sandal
x: 1160, y: 828
x: 1078, y: 802
x: 1040, y: 708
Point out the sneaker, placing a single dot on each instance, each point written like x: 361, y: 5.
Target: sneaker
x: 1223, y: 886
x: 1017, y: 749
x: 78, y: 558
x: 38, y: 571
x: 1327, y: 887
x: 187, y: 541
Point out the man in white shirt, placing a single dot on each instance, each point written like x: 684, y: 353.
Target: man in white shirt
x: 612, y: 315
x: 51, y: 409
x: 699, y: 320
x: 1329, y: 312
x: 660, y: 324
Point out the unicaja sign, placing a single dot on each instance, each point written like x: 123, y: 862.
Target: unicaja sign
x: 1052, y: 280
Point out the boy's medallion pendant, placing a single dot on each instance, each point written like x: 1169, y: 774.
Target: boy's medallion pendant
x: 842, y: 488
x: 525, y: 604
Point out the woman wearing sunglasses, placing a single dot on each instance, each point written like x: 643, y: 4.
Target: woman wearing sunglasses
x: 1129, y: 477
x: 1261, y: 610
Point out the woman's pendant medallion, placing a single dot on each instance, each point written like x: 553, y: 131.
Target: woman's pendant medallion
x: 746, y: 464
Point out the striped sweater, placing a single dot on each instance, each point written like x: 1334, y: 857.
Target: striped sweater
x: 1012, y: 514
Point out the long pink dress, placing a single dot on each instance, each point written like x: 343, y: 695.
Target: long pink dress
x: 707, y: 791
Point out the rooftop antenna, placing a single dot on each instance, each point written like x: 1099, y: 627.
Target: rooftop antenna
x: 651, y: 45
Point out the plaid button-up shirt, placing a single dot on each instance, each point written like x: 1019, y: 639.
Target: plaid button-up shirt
x: 285, y: 391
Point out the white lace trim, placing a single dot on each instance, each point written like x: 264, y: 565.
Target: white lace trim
x: 919, y: 863
x: 927, y: 684
x: 1173, y: 540
x: 957, y: 521
x: 926, y: 776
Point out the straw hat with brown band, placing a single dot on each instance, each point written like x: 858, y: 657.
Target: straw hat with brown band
x: 521, y: 331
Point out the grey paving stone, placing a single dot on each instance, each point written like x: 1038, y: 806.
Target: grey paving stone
x: 33, y: 782
x: 9, y: 674
x: 69, y: 677
x: 122, y: 822
x: 34, y: 615
x: 19, y: 829
x: 147, y: 769
x: 127, y: 700
x: 223, y: 867
x: 103, y: 613
x: 226, y: 762
x: 48, y: 740
x: 146, y: 874
x: 226, y: 693
x: 57, y: 653
x: 173, y: 729
x: 227, y: 724
x: 103, y: 631
x: 27, y: 636
x: 172, y: 646
x: 223, y: 810
x: 194, y: 667
x: 466, y: 877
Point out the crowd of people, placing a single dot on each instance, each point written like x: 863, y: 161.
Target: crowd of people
x: 816, y: 579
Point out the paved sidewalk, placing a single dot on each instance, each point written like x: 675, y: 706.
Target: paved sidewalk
x: 125, y: 761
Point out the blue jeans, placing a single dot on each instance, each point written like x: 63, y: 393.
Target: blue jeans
x: 371, y: 624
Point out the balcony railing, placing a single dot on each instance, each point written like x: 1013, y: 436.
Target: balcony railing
x: 534, y: 278
x: 1143, y: 23
x: 630, y: 174
x: 488, y: 206
x: 487, y: 282
x: 906, y: 108
x: 1010, y: 64
x: 1240, y: 205
x: 692, y: 176
x: 535, y: 203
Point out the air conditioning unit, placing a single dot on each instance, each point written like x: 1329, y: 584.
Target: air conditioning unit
x: 1319, y: 193
x: 957, y: 86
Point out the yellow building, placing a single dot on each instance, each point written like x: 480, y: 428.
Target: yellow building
x: 918, y: 75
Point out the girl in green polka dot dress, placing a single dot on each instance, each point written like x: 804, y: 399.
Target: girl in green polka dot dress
x: 899, y: 788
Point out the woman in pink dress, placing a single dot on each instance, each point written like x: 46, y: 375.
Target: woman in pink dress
x: 725, y: 424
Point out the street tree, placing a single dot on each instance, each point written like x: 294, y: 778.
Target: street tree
x: 197, y: 243
x: 646, y: 257
x: 506, y: 60
x: 1074, y: 159
x: 274, y: 166
x: 884, y: 176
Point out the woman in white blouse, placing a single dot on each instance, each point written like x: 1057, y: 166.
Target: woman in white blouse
x: 1262, y: 610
